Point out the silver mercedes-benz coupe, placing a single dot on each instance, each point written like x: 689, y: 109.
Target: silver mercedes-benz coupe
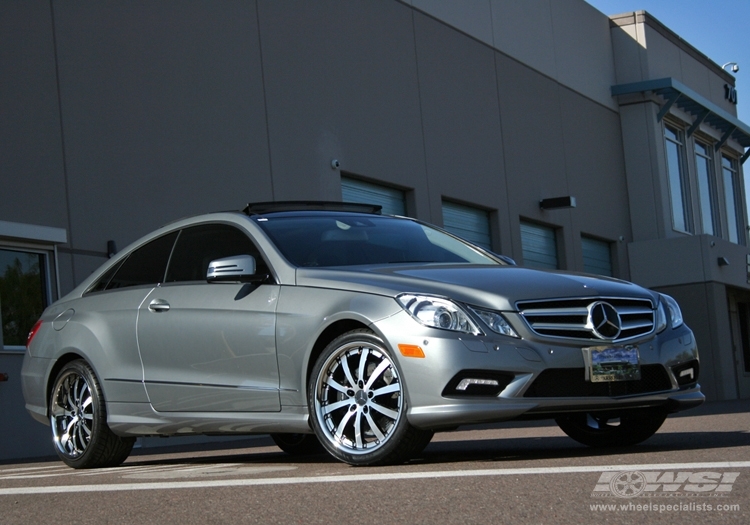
x: 331, y: 324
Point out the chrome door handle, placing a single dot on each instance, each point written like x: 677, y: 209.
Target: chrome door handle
x: 158, y: 305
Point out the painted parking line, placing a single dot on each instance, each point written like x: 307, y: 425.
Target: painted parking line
x: 394, y: 476
x: 126, y: 471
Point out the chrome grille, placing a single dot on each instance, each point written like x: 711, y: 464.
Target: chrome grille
x: 571, y: 318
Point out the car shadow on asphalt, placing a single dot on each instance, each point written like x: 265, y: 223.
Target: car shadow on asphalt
x: 546, y: 448
x: 449, y: 451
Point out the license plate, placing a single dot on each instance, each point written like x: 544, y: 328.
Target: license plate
x: 612, y: 363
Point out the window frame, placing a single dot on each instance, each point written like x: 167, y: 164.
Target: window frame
x: 49, y: 276
x: 736, y: 191
x: 261, y: 264
x: 708, y: 159
x: 683, y: 175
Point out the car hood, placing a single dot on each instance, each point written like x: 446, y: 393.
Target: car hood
x: 496, y: 287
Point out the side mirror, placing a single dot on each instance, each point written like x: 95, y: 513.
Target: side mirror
x: 231, y: 269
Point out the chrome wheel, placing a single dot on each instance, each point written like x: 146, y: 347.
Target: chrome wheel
x: 78, y: 416
x: 359, y: 398
x: 72, y: 414
x: 358, y: 403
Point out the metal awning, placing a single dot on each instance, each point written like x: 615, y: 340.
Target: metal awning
x: 677, y: 94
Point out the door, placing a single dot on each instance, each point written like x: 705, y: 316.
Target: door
x: 210, y: 347
x: 739, y: 315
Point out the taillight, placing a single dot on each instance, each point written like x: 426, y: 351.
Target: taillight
x: 32, y: 333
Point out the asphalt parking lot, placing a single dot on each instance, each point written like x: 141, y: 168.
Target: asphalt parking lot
x: 696, y: 468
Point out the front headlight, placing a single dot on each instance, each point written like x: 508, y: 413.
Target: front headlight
x: 438, y: 312
x: 668, y: 307
x: 496, y: 322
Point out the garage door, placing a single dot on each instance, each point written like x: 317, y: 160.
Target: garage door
x: 539, y: 246
x: 468, y: 223
x: 597, y: 256
x: 392, y: 200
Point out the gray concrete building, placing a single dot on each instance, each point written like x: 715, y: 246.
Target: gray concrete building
x: 118, y: 117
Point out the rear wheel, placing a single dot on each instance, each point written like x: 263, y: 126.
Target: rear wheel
x: 78, y: 417
x: 612, y: 430
x: 358, y: 404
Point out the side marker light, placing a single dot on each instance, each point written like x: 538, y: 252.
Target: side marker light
x: 411, y: 351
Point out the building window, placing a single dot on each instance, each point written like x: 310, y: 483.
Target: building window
x: 392, y: 200
x: 24, y: 293
x: 539, y: 246
x: 706, y: 188
x: 735, y: 220
x: 597, y: 256
x: 678, y: 183
x: 468, y: 223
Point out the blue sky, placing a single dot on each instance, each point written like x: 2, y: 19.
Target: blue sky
x: 720, y: 29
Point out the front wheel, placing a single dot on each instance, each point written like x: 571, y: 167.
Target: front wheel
x: 78, y: 417
x: 358, y: 404
x: 612, y: 430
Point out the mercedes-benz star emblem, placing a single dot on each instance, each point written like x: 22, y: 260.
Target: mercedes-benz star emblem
x: 604, y: 320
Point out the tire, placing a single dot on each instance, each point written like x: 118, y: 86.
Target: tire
x: 298, y: 444
x: 357, y: 403
x: 608, y: 430
x: 78, y: 416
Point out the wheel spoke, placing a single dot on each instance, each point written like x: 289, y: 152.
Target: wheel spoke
x: 347, y: 372
x: 88, y: 402
x: 330, y: 407
x: 382, y: 367
x: 59, y: 411
x: 358, y: 429
x: 393, y: 387
x: 336, y: 385
x: 362, y: 364
x: 385, y: 411
x: 342, y: 424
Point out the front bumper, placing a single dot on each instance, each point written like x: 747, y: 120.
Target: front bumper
x: 537, y: 379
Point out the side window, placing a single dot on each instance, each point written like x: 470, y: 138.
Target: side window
x: 146, y: 265
x: 199, y: 245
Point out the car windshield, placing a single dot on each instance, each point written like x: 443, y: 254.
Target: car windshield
x: 345, y: 240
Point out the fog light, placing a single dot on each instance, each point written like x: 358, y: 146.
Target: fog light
x: 687, y: 373
x: 467, y: 382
